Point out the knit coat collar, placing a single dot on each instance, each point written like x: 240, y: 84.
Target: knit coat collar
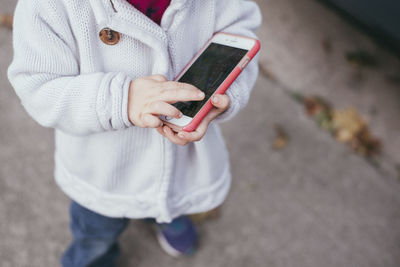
x: 106, y: 10
x: 122, y: 17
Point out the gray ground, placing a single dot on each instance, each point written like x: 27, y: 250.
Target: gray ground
x: 315, y: 203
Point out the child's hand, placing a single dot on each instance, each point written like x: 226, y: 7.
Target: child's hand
x: 221, y: 103
x: 152, y: 96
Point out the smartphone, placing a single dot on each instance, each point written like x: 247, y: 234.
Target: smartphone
x: 212, y: 70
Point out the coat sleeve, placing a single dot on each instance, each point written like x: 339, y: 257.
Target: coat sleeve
x: 243, y: 18
x: 45, y: 74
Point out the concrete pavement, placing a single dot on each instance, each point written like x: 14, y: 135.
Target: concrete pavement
x: 314, y: 203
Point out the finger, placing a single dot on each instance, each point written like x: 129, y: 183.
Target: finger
x: 201, y: 130
x: 173, y: 137
x: 220, y: 101
x: 163, y: 108
x: 170, y: 85
x: 176, y: 92
x: 192, y: 136
x: 161, y: 131
x: 151, y: 121
x: 196, y: 135
x: 221, y: 105
x: 215, y: 112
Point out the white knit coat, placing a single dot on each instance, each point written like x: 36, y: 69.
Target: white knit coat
x: 69, y: 80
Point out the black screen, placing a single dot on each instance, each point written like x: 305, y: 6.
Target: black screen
x: 208, y: 72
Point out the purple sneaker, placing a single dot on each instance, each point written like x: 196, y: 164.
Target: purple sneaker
x: 178, y: 237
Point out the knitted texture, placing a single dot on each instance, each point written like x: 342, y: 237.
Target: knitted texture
x: 69, y: 80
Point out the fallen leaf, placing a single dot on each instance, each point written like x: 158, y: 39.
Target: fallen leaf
x: 281, y: 139
x: 324, y: 120
x: 6, y: 20
x: 347, y: 124
x: 315, y: 105
x: 365, y: 144
x: 350, y: 127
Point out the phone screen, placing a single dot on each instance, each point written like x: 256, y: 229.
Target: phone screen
x: 208, y: 72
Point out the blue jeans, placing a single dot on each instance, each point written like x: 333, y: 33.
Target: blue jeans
x: 95, y: 239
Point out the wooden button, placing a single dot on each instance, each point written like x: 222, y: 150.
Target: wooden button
x: 109, y: 36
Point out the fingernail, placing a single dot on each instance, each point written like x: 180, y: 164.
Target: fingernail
x: 201, y: 95
x: 165, y: 130
x: 180, y: 115
x: 215, y: 99
x: 181, y: 135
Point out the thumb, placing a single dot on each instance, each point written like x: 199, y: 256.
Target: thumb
x: 220, y: 101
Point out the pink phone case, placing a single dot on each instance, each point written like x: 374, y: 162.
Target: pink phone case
x: 225, y: 85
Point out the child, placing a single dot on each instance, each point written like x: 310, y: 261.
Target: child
x: 97, y: 72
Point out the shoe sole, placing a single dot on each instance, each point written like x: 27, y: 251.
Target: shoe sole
x: 166, y: 246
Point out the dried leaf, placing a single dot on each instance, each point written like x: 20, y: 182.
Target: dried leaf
x: 281, y: 139
x: 6, y: 20
x: 315, y: 105
x: 347, y: 124
x: 365, y: 144
x: 324, y: 120
x: 350, y: 127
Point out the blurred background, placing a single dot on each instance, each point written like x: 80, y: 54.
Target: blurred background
x: 315, y: 155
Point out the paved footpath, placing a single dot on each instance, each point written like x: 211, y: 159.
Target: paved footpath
x: 312, y: 204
